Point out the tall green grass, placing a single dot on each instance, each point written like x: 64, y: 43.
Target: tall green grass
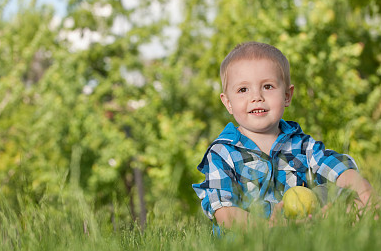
x: 69, y: 223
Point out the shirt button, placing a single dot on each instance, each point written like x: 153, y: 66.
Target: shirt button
x: 291, y: 163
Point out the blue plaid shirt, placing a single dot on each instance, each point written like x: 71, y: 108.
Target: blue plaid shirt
x: 237, y: 173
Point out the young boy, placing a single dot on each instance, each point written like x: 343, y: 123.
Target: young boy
x: 264, y: 156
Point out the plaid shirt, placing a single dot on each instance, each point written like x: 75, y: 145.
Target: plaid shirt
x: 237, y: 173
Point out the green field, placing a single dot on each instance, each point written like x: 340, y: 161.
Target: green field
x: 70, y: 224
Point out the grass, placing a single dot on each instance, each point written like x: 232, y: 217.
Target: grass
x: 70, y: 224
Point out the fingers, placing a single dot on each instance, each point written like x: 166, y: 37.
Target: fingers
x: 324, y: 210
x: 276, y: 218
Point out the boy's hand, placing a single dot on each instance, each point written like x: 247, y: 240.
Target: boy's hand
x: 373, y: 203
x: 227, y: 216
x: 368, y: 198
x: 277, y: 217
x: 353, y: 180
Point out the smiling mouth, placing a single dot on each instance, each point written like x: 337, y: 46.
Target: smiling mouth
x: 258, y: 111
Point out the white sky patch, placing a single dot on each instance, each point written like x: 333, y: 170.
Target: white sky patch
x: 154, y: 49
x: 136, y: 104
x: 120, y: 25
x: 81, y: 39
x: 133, y: 77
x: 301, y: 21
x: 90, y: 86
x: 68, y: 23
x: 147, y: 16
x: 55, y: 22
x: 98, y: 9
x: 12, y: 6
x: 174, y: 8
x: 130, y: 4
x: 298, y: 3
x: 102, y: 10
x: 211, y: 13
x: 158, y: 86
x: 171, y: 35
x: 158, y: 47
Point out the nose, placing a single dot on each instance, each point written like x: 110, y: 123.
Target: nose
x: 257, y: 96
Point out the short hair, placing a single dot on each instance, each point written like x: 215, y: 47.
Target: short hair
x: 255, y: 50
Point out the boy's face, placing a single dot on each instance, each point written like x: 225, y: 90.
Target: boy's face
x: 256, y: 96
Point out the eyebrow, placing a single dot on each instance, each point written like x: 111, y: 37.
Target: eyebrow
x: 269, y: 80
x: 273, y: 80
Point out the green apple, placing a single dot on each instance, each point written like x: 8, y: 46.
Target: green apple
x: 299, y: 202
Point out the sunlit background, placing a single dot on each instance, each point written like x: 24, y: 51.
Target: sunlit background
x: 107, y: 107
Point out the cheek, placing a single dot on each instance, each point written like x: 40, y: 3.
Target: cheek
x: 238, y: 104
x: 278, y: 100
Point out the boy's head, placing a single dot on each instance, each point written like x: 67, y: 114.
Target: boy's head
x: 256, y: 87
x: 255, y: 51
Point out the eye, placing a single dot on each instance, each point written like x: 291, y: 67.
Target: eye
x: 243, y: 89
x: 268, y: 87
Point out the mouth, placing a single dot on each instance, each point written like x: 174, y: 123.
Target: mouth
x: 258, y: 111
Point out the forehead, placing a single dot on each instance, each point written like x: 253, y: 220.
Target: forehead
x: 258, y: 68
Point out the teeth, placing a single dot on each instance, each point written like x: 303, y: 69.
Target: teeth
x: 258, y: 111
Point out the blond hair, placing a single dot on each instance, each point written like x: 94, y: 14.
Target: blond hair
x: 255, y: 50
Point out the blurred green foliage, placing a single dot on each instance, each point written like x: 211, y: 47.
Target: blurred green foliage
x: 86, y: 117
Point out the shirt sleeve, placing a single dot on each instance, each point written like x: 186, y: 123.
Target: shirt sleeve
x: 220, y: 188
x: 327, y: 164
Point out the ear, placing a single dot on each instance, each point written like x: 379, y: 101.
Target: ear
x: 225, y: 100
x: 289, y: 94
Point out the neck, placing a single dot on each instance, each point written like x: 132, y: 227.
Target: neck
x: 263, y: 140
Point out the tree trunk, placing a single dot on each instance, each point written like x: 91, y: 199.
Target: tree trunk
x: 138, y: 177
x: 128, y: 183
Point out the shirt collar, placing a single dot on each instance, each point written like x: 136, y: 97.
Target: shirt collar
x: 233, y: 136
